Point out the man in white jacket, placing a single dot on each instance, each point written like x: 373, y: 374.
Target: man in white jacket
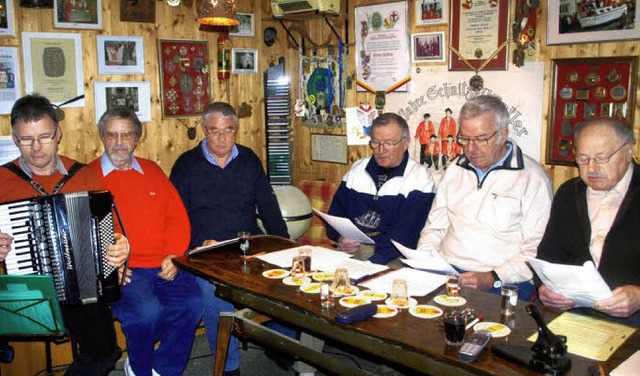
x: 492, y: 206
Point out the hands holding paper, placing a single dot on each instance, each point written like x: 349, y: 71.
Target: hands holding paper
x: 624, y: 302
x: 348, y: 245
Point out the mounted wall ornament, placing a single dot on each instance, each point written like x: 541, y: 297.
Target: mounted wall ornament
x: 270, y: 36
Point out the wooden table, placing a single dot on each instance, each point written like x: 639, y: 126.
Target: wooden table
x: 403, y: 339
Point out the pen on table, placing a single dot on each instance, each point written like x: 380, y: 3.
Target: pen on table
x: 370, y: 277
x: 473, y: 322
x: 256, y: 255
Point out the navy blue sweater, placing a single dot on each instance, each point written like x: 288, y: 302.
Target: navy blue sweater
x: 222, y: 201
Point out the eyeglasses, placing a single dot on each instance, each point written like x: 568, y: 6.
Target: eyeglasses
x: 478, y: 141
x: 112, y: 136
x: 224, y: 132
x: 582, y: 159
x: 42, y: 140
x: 374, y: 144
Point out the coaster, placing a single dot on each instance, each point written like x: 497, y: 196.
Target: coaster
x: 385, y: 311
x: 275, y: 273
x: 372, y: 295
x: 449, y: 302
x: 350, y: 291
x: 352, y: 301
x: 322, y: 276
x: 496, y: 329
x: 311, y: 288
x: 412, y: 302
x: 289, y: 281
x: 425, y: 311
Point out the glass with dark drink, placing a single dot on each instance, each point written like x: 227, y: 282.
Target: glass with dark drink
x: 305, y: 253
x: 454, y: 328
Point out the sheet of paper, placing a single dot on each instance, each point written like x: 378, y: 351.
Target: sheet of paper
x: 429, y: 261
x: 345, y: 227
x: 321, y: 258
x: 588, y: 336
x: 582, y: 284
x: 629, y: 367
x: 205, y: 248
x: 357, y: 269
x: 419, y: 283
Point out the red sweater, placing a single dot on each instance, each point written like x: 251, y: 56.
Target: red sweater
x: 152, y: 212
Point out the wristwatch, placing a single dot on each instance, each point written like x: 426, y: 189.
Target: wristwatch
x: 497, y: 283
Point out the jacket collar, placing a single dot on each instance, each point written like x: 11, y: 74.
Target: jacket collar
x: 373, y: 169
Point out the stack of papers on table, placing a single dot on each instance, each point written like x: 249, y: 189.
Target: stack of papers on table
x: 419, y: 283
x: 429, y: 261
x: 582, y: 284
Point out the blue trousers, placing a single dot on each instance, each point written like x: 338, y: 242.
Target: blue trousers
x: 212, y: 308
x: 153, y: 309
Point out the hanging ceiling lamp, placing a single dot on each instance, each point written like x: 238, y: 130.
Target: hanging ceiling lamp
x: 218, y: 13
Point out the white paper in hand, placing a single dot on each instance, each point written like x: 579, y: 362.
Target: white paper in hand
x: 345, y: 228
x: 430, y: 261
x: 582, y: 284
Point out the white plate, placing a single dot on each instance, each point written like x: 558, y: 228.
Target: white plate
x: 450, y: 302
x: 311, y: 288
x: 425, y: 311
x: 275, y: 273
x: 412, y: 302
x: 496, y: 329
x: 352, y: 290
x: 322, y: 276
x: 372, y: 295
x: 289, y: 281
x: 353, y: 301
x: 385, y: 311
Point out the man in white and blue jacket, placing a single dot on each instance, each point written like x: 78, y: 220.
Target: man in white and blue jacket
x: 387, y: 196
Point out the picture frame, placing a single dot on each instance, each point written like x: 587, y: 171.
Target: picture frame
x: 565, y: 22
x: 10, y: 79
x: 185, y: 82
x: 430, y: 12
x: 134, y: 94
x: 428, y: 47
x: 53, y: 66
x: 244, y: 60
x: 474, y: 43
x: 246, y: 26
x: 330, y: 148
x: 138, y: 11
x: 120, y: 54
x: 603, y: 87
x: 84, y: 14
x: 7, y: 22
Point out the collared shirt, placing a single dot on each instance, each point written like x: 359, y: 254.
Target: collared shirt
x: 59, y: 166
x: 212, y: 159
x: 603, y: 207
x: 108, y: 166
x: 482, y: 174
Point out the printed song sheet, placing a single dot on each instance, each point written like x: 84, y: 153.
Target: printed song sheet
x: 429, y: 261
x: 345, y: 227
x: 419, y: 283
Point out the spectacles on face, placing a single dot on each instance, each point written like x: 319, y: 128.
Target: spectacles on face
x: 42, y: 140
x: 374, y: 144
x: 227, y: 132
x: 582, y: 159
x: 482, y: 142
x: 112, y: 136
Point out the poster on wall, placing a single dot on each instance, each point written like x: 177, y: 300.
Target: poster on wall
x: 10, y: 86
x: 6, y: 18
x: 382, y: 47
x: 435, y: 89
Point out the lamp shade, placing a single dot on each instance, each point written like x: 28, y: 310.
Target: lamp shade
x: 218, y: 13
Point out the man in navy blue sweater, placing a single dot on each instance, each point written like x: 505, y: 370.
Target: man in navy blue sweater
x: 222, y: 184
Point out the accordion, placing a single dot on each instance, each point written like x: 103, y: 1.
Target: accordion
x: 66, y: 236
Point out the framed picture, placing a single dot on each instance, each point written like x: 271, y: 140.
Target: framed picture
x: 329, y: 148
x: 244, y: 60
x: 584, y: 89
x: 430, y: 12
x: 427, y: 47
x: 10, y: 83
x: 138, y: 10
x: 185, y: 84
x: 78, y: 14
x: 472, y: 42
x: 246, y: 27
x: 53, y: 66
x: 136, y: 95
x: 120, y: 55
x: 6, y: 18
x: 591, y: 21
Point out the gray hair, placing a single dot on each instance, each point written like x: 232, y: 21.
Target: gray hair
x: 621, y: 129
x: 222, y: 108
x: 389, y: 118
x: 119, y: 112
x: 486, y: 104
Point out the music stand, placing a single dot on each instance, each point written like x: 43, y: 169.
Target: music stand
x: 30, y: 310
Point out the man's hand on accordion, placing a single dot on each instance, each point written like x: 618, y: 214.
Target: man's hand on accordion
x: 118, y: 253
x: 5, y: 245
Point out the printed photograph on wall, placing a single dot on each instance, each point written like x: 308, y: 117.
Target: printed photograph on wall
x: 77, y: 14
x: 6, y: 18
x: 245, y: 27
x: 244, y: 60
x: 120, y: 54
x: 427, y: 47
x: 135, y: 95
x: 430, y: 12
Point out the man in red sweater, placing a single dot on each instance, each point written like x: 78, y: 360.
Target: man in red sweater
x: 41, y: 171
x: 160, y: 302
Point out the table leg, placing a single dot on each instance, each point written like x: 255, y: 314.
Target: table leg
x: 225, y: 324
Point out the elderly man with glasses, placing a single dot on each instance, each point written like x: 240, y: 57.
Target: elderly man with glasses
x: 492, y: 204
x: 387, y: 196
x: 596, y: 217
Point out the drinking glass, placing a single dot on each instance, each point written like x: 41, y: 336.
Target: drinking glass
x: 341, y: 284
x: 453, y: 287
x: 399, y: 293
x: 508, y: 299
x: 297, y: 270
x: 243, y: 240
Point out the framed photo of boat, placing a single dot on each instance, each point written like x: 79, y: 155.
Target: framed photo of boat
x: 571, y: 21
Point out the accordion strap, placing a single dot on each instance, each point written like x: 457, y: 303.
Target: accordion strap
x: 18, y: 171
